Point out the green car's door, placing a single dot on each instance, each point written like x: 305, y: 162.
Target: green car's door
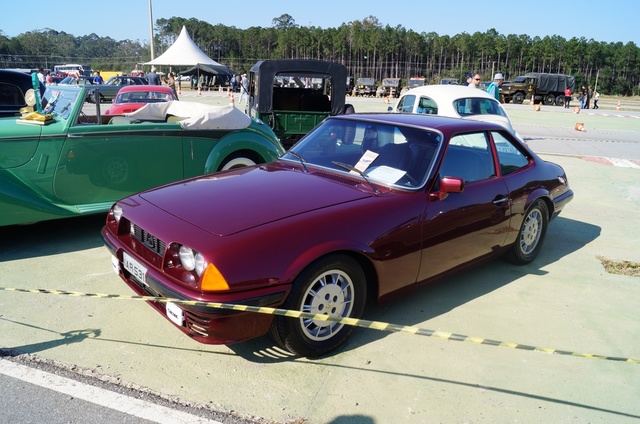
x: 103, y: 163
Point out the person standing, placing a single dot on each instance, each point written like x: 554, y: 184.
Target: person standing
x: 153, y: 78
x: 244, y: 84
x: 49, y: 78
x: 494, y: 87
x: 475, y: 81
x: 41, y: 76
x: 567, y: 97
x: 583, y: 96
x: 596, y: 97
x: 171, y: 82
x: 97, y: 78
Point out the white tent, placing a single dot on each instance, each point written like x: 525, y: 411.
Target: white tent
x: 183, y: 52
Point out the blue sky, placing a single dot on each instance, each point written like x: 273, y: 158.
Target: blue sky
x: 613, y: 21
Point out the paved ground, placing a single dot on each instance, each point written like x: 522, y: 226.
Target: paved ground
x: 564, y: 300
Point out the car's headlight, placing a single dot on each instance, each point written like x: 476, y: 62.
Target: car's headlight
x: 117, y: 212
x: 192, y: 260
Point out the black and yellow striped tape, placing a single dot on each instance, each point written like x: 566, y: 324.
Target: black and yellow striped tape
x: 377, y: 325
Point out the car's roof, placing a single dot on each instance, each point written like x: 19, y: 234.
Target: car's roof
x: 436, y: 122
x: 160, y: 88
x: 448, y: 91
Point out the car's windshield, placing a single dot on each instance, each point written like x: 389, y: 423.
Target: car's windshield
x: 59, y: 101
x: 389, y: 154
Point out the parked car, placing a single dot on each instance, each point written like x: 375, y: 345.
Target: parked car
x: 133, y: 97
x: 80, y: 161
x: 366, y: 205
x: 110, y: 88
x: 295, y: 95
x: 16, y: 92
x: 76, y: 80
x: 454, y: 101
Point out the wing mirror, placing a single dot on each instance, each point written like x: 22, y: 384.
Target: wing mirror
x: 448, y: 185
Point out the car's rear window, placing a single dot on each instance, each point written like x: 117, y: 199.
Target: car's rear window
x: 478, y: 106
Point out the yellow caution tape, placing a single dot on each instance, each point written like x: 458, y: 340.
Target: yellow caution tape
x: 377, y: 325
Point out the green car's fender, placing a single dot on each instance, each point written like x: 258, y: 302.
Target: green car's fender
x: 257, y: 143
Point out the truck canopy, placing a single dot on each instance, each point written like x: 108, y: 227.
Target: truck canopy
x: 552, y: 82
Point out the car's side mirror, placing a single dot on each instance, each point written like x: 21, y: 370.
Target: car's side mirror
x: 448, y: 185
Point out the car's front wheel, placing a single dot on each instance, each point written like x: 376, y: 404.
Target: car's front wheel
x: 334, y: 285
x: 531, y: 234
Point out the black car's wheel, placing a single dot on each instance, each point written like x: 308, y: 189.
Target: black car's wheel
x: 518, y: 98
x: 334, y: 285
x: 531, y: 234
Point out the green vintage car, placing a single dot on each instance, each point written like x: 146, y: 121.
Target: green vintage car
x: 80, y: 161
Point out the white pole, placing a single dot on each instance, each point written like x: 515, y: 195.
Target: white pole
x: 151, y: 30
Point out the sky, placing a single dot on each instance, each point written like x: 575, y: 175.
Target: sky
x: 123, y: 20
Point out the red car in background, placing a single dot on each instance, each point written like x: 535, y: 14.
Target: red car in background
x: 133, y: 97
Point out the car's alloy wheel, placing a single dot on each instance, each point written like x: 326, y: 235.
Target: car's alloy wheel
x: 531, y: 234
x: 334, y: 285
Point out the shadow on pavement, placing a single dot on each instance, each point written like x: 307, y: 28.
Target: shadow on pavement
x: 51, y: 237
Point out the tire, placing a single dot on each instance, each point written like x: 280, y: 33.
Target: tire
x: 518, y: 98
x: 334, y: 284
x: 531, y: 235
x: 560, y: 101
x: 238, y: 160
x: 549, y: 100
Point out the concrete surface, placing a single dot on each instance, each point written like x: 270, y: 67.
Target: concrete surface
x: 563, y: 300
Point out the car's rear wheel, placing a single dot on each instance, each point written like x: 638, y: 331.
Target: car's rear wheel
x: 334, y: 285
x: 531, y: 235
x: 238, y: 160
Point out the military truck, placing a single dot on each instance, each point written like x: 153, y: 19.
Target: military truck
x: 365, y: 87
x: 294, y: 95
x: 390, y: 87
x: 545, y: 88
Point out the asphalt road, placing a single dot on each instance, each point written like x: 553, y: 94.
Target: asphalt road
x: 564, y: 300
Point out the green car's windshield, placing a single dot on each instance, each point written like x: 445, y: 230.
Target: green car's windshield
x: 59, y: 101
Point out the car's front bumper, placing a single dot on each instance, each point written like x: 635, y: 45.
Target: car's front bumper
x: 204, y: 324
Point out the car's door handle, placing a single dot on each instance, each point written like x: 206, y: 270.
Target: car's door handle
x: 500, y: 200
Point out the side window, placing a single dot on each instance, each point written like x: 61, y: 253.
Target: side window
x: 10, y: 95
x: 510, y: 157
x: 468, y: 157
x: 427, y: 106
x: 406, y: 104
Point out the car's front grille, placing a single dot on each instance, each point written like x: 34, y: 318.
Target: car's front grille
x: 150, y: 241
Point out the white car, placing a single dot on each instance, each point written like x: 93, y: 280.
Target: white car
x: 455, y: 101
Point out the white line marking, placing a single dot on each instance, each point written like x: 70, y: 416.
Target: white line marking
x: 625, y: 163
x: 126, y: 404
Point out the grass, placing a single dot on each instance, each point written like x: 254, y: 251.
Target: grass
x: 620, y: 267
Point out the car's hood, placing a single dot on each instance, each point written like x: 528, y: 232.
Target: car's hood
x: 229, y: 202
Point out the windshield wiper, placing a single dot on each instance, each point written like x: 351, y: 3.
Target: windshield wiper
x: 300, y: 158
x: 356, y: 170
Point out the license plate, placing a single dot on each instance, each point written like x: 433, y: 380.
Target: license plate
x: 137, y: 271
x: 115, y: 264
x: 174, y: 313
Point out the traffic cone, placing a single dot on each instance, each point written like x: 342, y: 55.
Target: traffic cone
x: 618, y: 107
x: 580, y: 127
x: 576, y: 109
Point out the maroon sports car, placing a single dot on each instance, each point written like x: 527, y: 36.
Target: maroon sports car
x: 364, y: 205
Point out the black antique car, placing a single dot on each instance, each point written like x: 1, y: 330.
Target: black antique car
x: 293, y: 96
x: 16, y: 91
